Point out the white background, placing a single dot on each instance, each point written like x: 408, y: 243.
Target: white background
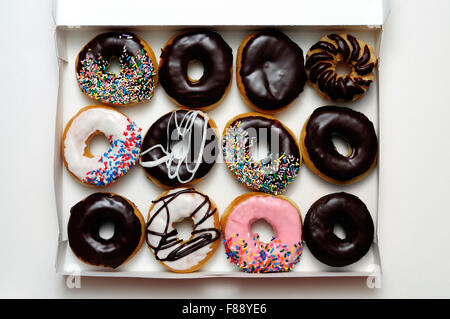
x: 414, y: 218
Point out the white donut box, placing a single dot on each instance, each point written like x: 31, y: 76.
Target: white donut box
x: 305, y: 22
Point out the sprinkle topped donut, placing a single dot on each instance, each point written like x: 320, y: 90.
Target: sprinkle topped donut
x: 246, y: 250
x: 138, y: 75
x: 123, y: 135
x: 278, y: 169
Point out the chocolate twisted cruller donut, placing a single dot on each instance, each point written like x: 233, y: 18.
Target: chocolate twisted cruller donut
x: 323, y: 57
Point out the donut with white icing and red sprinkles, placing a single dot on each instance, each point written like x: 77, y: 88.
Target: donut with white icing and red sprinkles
x: 123, y: 135
x: 136, y: 79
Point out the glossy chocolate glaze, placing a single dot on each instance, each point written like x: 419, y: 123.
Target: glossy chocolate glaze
x: 355, y: 128
x: 271, y: 129
x: 272, y: 70
x: 157, y: 135
x: 347, y: 211
x: 107, y: 45
x: 87, y: 216
x: 334, y: 86
x: 200, y: 238
x: 217, y: 58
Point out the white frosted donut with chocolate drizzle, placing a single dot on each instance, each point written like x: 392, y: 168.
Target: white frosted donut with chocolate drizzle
x: 179, y: 148
x: 173, y: 207
x: 332, y: 49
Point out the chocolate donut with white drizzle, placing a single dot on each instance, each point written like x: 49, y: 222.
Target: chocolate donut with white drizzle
x: 189, y: 160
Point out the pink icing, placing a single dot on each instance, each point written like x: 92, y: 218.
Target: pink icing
x: 246, y: 250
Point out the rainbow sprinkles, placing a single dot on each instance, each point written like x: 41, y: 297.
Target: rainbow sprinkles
x: 270, y: 175
x: 134, y: 83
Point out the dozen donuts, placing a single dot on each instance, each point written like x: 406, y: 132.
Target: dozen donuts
x: 180, y: 148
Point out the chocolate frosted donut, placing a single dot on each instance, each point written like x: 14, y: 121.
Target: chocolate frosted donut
x: 217, y: 58
x: 85, y: 220
x: 184, y: 163
x: 138, y: 75
x: 277, y: 169
x: 347, y: 211
x: 269, y: 71
x: 325, y: 55
x: 320, y: 154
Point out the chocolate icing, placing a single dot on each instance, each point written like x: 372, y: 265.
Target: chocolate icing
x: 200, y: 238
x: 286, y: 143
x: 272, y: 70
x: 108, y: 45
x: 157, y: 134
x: 337, y: 87
x: 355, y: 128
x: 351, y: 213
x: 88, y: 215
x: 217, y: 58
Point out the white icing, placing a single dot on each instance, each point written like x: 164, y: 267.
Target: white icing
x: 180, y: 208
x: 180, y: 153
x: 124, y: 136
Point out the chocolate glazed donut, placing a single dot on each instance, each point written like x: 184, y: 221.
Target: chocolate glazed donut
x: 321, y: 155
x: 171, y: 166
x: 270, y: 71
x: 277, y: 169
x: 217, y: 58
x: 351, y: 213
x: 85, y: 220
x: 324, y: 56
x: 137, y: 78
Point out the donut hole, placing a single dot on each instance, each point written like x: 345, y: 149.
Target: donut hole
x: 106, y: 229
x: 263, y: 229
x: 259, y: 151
x: 114, y: 66
x: 343, y: 68
x: 341, y: 145
x: 195, y: 70
x: 179, y: 148
x: 97, y: 145
x: 184, y: 229
x: 339, y: 231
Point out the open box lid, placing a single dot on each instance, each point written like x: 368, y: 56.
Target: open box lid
x: 73, y: 13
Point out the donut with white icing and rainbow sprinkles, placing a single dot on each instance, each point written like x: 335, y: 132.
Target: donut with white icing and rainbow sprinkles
x: 123, y: 135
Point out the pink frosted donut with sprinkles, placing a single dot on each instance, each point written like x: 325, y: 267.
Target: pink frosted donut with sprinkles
x: 136, y: 79
x: 246, y: 250
x: 123, y: 135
